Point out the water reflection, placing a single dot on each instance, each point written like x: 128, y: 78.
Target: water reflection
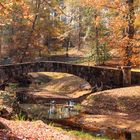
x: 71, y: 103
x: 61, y: 111
x: 51, y: 110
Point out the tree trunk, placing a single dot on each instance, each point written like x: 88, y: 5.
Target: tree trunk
x: 131, y: 32
x: 80, y: 29
x: 97, y: 41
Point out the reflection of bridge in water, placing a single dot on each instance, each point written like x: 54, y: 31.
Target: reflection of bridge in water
x: 60, y: 111
x: 109, y: 77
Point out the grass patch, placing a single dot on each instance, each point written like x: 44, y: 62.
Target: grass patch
x: 19, y: 117
x: 78, y: 107
x: 86, y: 136
x: 80, y: 134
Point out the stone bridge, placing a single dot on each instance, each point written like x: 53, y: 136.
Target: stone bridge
x: 109, y: 77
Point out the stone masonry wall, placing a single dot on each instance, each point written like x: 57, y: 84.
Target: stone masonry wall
x: 135, y: 77
x: 109, y: 77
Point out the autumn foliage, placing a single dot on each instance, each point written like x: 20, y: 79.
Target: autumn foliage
x: 120, y: 18
x: 25, y: 27
x: 32, y: 30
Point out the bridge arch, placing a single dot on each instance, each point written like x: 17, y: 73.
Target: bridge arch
x: 110, y: 77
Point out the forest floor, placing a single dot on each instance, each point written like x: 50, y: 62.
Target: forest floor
x: 37, y: 130
x: 116, y: 109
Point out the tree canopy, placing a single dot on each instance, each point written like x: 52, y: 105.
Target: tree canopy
x: 31, y: 28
